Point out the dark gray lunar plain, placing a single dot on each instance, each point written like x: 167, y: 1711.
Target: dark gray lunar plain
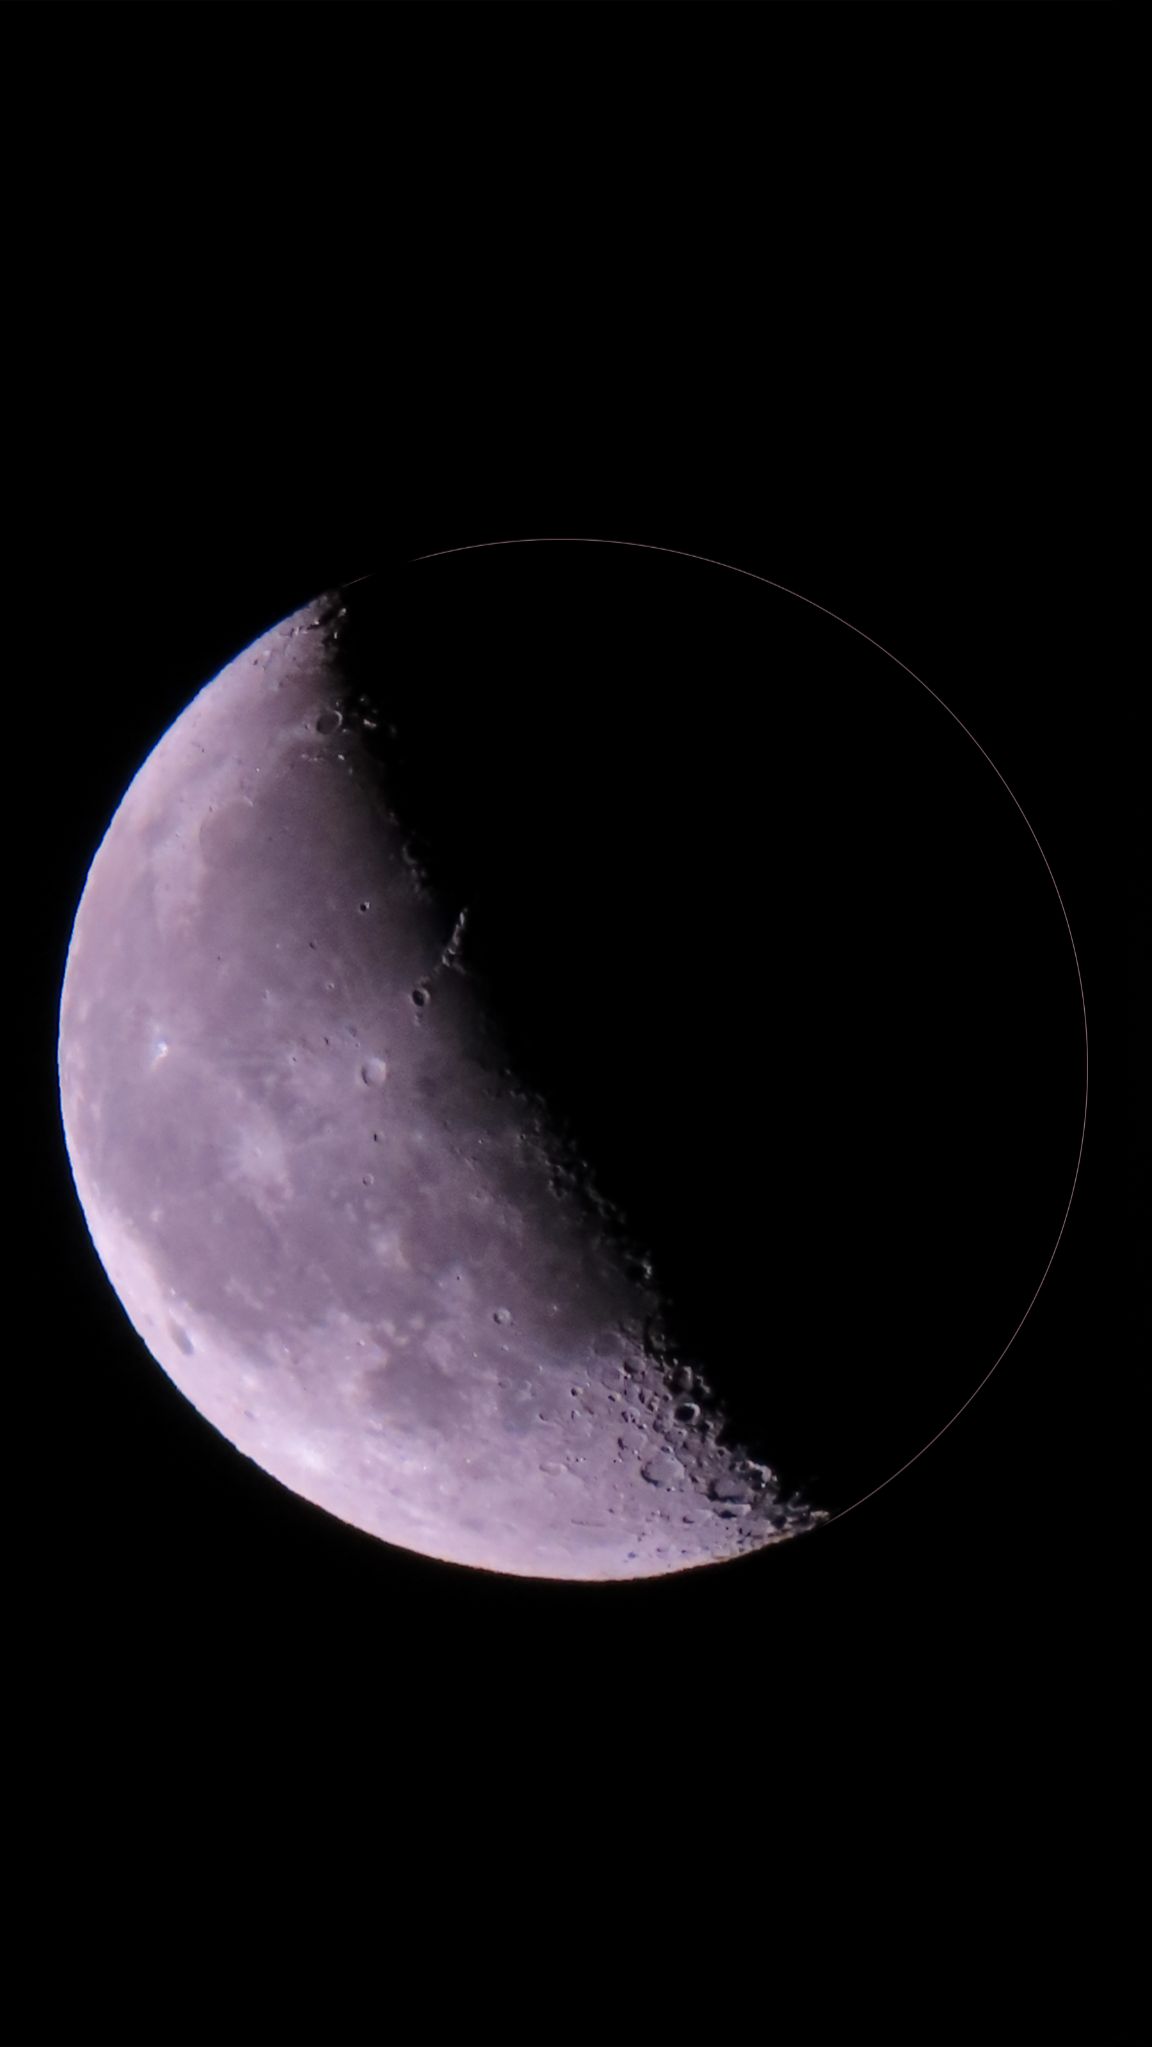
x: 329, y: 1210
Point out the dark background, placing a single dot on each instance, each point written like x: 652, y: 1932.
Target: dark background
x: 236, y: 1689
x: 265, y: 1780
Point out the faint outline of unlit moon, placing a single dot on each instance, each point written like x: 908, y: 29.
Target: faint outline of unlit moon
x: 649, y: 547
x: 438, y: 1443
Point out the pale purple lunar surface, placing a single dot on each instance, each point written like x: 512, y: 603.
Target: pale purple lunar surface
x: 324, y: 1201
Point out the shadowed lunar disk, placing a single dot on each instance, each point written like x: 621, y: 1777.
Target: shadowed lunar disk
x: 503, y: 1109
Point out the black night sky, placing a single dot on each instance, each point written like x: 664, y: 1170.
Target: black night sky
x: 771, y: 932
x: 729, y: 938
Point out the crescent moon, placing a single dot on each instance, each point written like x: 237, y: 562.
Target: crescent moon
x: 339, y: 1222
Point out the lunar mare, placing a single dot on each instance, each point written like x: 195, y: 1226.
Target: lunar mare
x: 338, y: 1223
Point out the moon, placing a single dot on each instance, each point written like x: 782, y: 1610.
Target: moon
x: 573, y: 1059
x: 352, y: 1235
